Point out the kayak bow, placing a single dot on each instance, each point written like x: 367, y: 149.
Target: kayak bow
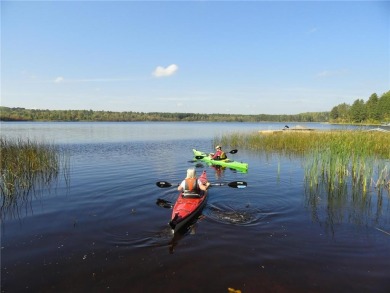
x: 186, y: 209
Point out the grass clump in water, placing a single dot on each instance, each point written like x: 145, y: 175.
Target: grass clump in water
x: 24, y: 165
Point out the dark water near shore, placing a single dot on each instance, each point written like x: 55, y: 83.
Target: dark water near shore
x: 101, y: 230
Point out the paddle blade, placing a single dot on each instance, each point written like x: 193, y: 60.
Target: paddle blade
x: 199, y: 157
x: 237, y: 184
x: 164, y: 203
x: 163, y: 184
x: 233, y: 151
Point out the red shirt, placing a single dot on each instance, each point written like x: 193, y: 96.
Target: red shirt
x: 217, y: 154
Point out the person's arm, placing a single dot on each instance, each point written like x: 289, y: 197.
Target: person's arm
x: 203, y: 186
x: 216, y: 155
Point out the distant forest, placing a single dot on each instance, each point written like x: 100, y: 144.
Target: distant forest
x: 21, y: 114
x: 375, y: 110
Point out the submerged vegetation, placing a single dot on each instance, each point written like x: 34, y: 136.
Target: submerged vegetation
x: 331, y: 158
x: 25, y: 167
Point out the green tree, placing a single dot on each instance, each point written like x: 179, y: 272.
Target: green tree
x: 372, y: 108
x: 358, y: 111
x: 334, y: 113
x: 384, y: 107
x: 341, y: 113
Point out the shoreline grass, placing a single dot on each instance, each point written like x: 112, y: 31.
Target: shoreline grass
x: 330, y: 157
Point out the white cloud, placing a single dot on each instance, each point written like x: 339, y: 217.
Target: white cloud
x: 59, y: 79
x: 324, y: 73
x: 83, y: 80
x: 332, y: 73
x: 312, y: 30
x: 168, y: 71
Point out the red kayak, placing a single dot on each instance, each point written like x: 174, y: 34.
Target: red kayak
x: 188, y: 207
x: 185, y: 210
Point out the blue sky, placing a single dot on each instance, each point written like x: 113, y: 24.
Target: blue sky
x: 255, y: 57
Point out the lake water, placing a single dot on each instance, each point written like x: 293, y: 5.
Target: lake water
x: 101, y: 230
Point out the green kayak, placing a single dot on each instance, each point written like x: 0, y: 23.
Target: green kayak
x: 243, y: 167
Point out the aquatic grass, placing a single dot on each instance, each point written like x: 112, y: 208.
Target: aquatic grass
x: 341, y: 168
x: 352, y: 155
x: 26, y: 165
x: 358, y: 142
x: 332, y: 158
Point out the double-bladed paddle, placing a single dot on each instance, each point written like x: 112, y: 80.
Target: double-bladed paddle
x: 167, y: 204
x: 201, y: 157
x: 233, y: 184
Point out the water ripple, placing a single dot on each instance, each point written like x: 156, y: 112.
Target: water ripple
x: 242, y: 216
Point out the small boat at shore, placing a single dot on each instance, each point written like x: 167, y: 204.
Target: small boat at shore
x: 288, y: 129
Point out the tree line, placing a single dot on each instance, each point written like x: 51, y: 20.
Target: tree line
x: 22, y: 114
x: 374, y: 111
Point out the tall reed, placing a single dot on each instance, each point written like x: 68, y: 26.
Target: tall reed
x: 26, y: 164
x: 330, y: 157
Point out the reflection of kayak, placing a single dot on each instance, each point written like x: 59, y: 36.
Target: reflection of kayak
x: 187, y: 208
x: 243, y: 167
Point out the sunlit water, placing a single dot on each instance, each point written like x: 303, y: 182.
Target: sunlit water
x: 101, y: 229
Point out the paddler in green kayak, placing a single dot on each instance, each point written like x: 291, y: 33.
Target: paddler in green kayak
x: 219, y: 154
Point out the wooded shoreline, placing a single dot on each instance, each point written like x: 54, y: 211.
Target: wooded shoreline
x: 22, y: 114
x: 375, y: 111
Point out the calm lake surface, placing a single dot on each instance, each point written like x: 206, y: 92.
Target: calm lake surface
x: 99, y: 228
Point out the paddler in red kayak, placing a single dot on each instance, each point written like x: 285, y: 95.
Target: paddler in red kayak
x: 192, y: 185
x: 219, y: 154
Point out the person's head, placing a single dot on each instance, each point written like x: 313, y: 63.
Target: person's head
x: 218, y: 147
x: 191, y: 173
